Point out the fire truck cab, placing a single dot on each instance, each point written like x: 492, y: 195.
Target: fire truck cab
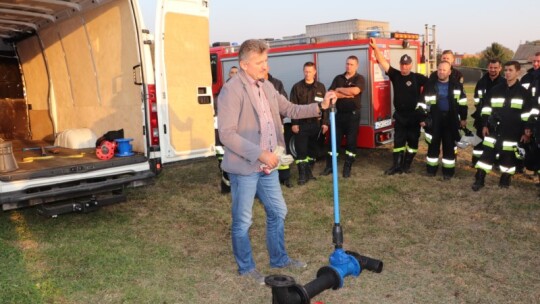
x: 286, y: 59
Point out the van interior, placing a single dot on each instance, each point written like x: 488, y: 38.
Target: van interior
x: 67, y: 68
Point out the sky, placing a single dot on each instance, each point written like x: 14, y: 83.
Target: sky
x: 462, y: 26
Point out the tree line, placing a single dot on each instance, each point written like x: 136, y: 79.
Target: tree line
x: 494, y: 51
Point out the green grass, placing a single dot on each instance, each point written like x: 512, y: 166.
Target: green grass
x: 170, y: 243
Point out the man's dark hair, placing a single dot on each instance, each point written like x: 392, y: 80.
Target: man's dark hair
x: 514, y: 63
x: 309, y: 64
x: 536, y: 54
x: 494, y: 60
x: 353, y: 58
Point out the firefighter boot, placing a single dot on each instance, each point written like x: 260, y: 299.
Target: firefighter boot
x: 309, y: 169
x: 397, y: 165
x: 285, y: 176
x: 448, y: 173
x: 504, y: 182
x: 347, y: 166
x: 302, y: 174
x: 479, y: 180
x: 328, y: 169
x: 431, y: 170
x: 407, y: 162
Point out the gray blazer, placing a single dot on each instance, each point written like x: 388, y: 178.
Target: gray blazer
x: 239, y: 127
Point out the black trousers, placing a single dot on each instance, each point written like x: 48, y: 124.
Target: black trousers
x: 347, y: 124
x: 406, y: 135
x: 305, y: 141
x: 443, y: 131
x: 507, y: 159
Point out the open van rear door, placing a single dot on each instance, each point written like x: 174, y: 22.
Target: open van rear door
x: 183, y: 80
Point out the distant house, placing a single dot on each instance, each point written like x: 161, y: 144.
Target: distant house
x: 525, y: 53
x: 457, y: 59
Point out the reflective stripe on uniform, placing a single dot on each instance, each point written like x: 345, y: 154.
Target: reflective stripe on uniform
x: 484, y: 166
x: 480, y: 93
x: 489, y: 142
x: 497, y: 102
x: 432, y: 161
x: 457, y: 93
x: 516, y: 103
x: 509, y: 170
x: 449, y: 163
x: 349, y: 153
x: 477, y: 153
x: 509, y: 145
x: 398, y: 149
x: 428, y: 137
x: 430, y: 99
x: 299, y: 161
x: 411, y: 150
x: 486, y: 111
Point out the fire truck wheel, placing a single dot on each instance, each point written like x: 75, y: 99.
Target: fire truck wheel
x: 292, y: 148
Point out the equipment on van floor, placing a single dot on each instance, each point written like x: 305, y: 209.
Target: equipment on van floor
x: 7, y: 160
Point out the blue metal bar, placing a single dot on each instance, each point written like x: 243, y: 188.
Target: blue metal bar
x: 333, y: 141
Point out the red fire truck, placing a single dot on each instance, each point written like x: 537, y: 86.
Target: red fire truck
x: 286, y: 59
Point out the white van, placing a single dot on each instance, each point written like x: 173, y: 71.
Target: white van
x: 73, y: 71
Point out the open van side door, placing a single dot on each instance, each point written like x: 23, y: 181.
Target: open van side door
x: 184, y: 80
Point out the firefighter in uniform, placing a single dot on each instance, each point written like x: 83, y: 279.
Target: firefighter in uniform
x: 307, y: 130
x: 407, y: 89
x: 483, y: 86
x: 531, y: 82
x: 283, y: 170
x: 505, y: 117
x: 444, y: 108
x: 348, y: 87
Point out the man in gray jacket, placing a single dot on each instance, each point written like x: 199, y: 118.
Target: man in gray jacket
x: 251, y: 131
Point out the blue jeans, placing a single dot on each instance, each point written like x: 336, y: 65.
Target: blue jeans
x: 244, y: 188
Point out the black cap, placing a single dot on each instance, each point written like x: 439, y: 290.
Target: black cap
x: 405, y: 59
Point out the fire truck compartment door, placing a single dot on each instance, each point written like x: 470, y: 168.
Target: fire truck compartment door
x: 184, y: 80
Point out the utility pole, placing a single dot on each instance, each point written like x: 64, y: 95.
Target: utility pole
x: 430, y: 49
